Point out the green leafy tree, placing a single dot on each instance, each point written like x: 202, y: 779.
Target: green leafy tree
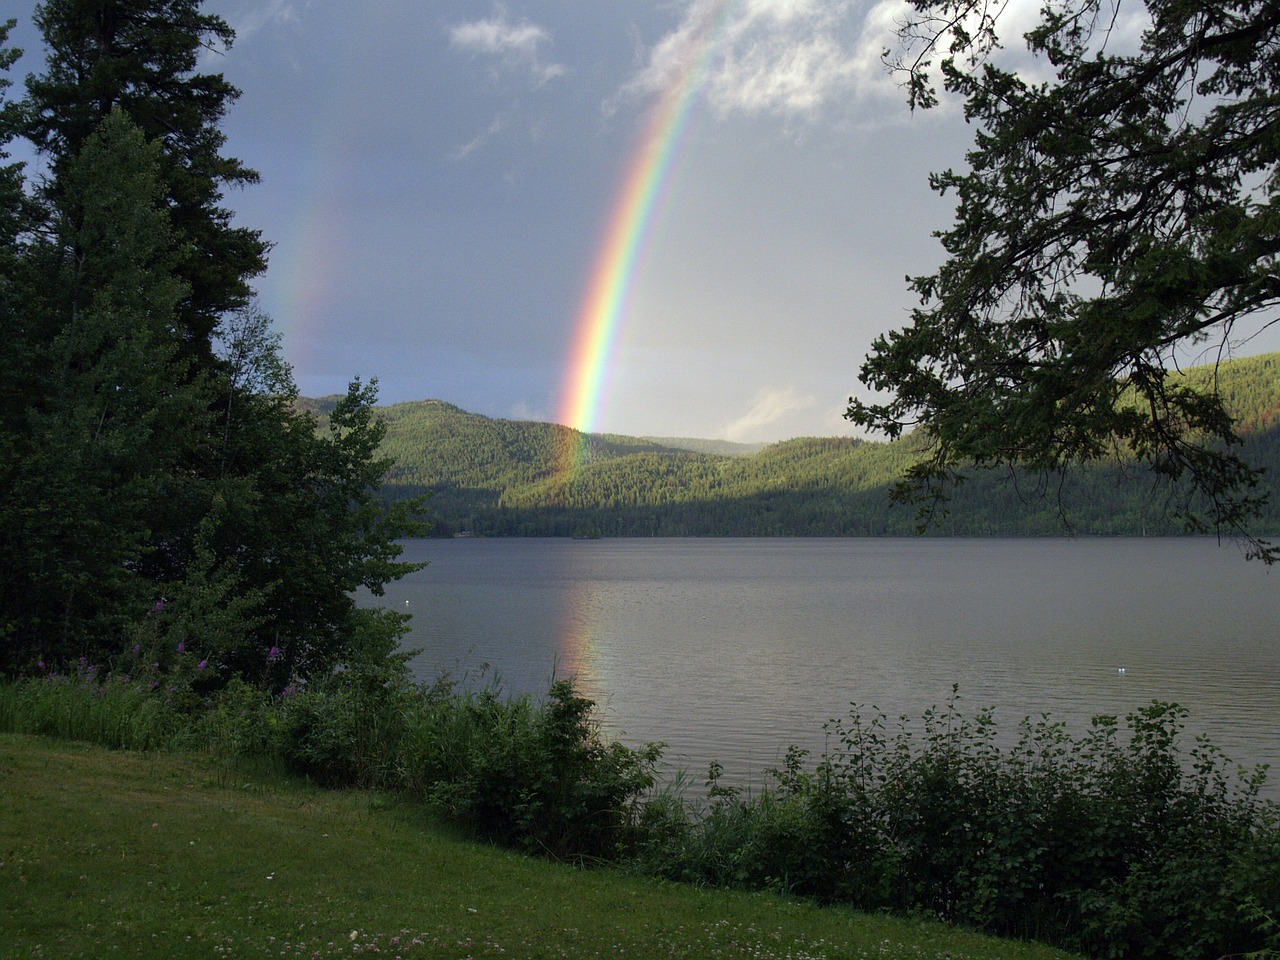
x: 298, y: 519
x: 1113, y: 219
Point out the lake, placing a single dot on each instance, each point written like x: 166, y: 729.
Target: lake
x: 732, y: 649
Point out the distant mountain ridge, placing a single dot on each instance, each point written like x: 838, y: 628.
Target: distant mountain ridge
x: 498, y: 477
x: 728, y: 448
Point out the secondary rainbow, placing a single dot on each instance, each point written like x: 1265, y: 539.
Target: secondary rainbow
x: 608, y: 291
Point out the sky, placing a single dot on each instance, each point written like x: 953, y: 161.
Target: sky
x: 439, y: 180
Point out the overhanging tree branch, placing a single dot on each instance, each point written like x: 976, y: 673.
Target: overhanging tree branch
x: 1109, y: 218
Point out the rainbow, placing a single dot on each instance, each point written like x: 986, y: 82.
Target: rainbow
x: 604, y: 304
x: 307, y: 265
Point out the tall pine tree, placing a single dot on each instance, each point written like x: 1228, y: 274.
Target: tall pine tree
x: 142, y: 57
x: 117, y: 412
x: 157, y: 449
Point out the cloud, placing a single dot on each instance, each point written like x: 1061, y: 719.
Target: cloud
x: 1114, y: 29
x: 247, y: 26
x: 809, y: 58
x: 480, y: 139
x: 276, y: 11
x: 779, y: 57
x: 523, y: 410
x: 516, y: 44
x: 772, y: 404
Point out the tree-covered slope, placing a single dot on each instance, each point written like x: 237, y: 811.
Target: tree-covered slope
x: 498, y: 477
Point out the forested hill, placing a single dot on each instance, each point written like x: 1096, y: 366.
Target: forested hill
x: 494, y: 477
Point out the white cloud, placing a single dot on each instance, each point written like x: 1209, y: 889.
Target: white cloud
x: 517, y: 44
x: 523, y: 410
x: 806, y: 58
x: 276, y: 11
x: 480, y: 139
x: 498, y: 36
x: 783, y: 57
x: 772, y: 405
x: 1117, y: 28
x: 247, y: 25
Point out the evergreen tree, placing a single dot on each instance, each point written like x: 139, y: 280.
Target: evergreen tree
x: 17, y: 364
x: 101, y: 441
x: 13, y: 214
x: 160, y: 480
x: 141, y: 56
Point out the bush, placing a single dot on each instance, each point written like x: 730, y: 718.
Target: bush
x: 345, y: 730
x: 538, y: 776
x: 1107, y: 844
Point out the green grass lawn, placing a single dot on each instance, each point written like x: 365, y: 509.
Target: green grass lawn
x: 122, y: 854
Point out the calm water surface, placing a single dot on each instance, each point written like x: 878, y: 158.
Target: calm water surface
x: 731, y: 649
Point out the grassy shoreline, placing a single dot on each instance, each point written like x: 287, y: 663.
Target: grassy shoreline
x: 158, y: 855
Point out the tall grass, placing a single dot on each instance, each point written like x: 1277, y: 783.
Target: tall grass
x: 114, y: 713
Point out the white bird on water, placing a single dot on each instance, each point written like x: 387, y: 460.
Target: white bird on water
x: 1120, y: 671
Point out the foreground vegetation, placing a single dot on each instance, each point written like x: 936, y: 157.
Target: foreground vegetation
x: 494, y: 477
x: 1115, y: 844
x: 146, y: 855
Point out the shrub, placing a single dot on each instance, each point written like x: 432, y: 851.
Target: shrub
x: 345, y: 730
x: 1114, y: 843
x: 534, y: 775
x: 241, y: 722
